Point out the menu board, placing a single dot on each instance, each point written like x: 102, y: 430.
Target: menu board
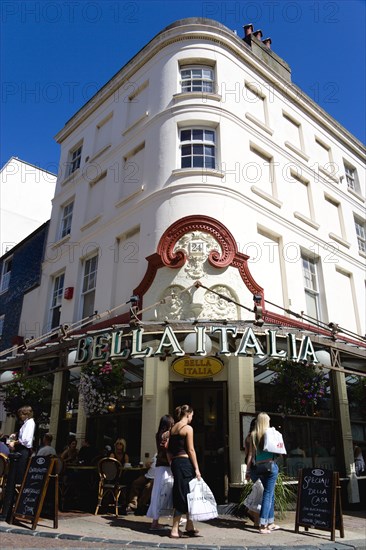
x: 318, y: 501
x: 33, y: 491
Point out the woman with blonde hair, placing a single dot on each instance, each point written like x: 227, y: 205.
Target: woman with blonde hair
x: 120, y: 451
x: 261, y: 465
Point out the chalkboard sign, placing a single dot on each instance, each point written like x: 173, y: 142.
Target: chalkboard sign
x: 32, y: 495
x: 318, y: 501
x: 50, y: 503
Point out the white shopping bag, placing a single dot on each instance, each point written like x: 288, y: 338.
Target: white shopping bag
x: 254, y: 500
x: 166, y: 496
x: 273, y: 442
x: 201, y: 502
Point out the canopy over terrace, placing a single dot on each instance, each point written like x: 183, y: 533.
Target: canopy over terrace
x: 347, y: 356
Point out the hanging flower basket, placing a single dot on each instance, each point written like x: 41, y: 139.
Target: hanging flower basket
x: 101, y: 387
x: 25, y: 390
x: 300, y: 389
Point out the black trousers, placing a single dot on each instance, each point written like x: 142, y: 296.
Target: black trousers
x: 22, y: 462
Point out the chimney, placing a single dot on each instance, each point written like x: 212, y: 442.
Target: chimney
x: 248, y: 29
x: 262, y: 50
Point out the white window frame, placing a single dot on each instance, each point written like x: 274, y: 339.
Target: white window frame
x: 74, y: 159
x: 311, y: 276
x: 56, y: 298
x: 197, y: 82
x: 6, y: 274
x: 89, y: 282
x: 198, y: 146
x: 66, y: 219
x: 350, y: 177
x: 360, y: 227
x: 350, y: 171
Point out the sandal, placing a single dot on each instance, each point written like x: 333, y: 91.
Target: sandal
x: 264, y: 531
x: 179, y: 536
x: 273, y: 527
x: 191, y: 532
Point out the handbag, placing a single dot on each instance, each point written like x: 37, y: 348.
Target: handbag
x: 201, y: 502
x: 263, y: 468
x: 273, y: 442
x: 254, y: 500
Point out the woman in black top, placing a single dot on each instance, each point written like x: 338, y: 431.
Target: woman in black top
x: 184, y: 467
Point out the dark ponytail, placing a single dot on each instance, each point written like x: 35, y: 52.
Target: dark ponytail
x: 181, y: 411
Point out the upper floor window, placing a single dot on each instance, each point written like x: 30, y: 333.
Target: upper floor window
x: 361, y: 234
x: 74, y: 159
x: 89, y: 285
x: 2, y: 321
x: 351, y: 178
x: 197, y: 79
x: 6, y: 274
x: 66, y: 220
x: 57, y: 293
x: 198, y: 148
x: 311, y: 286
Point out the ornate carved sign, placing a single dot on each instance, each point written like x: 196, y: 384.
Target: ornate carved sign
x: 117, y: 345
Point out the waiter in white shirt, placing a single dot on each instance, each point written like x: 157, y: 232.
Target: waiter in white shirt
x: 24, y: 443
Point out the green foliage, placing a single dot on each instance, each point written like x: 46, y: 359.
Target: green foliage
x: 25, y: 390
x: 285, y: 497
x: 300, y: 388
x: 101, y: 386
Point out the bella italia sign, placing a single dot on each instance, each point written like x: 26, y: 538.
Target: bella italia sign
x: 117, y: 345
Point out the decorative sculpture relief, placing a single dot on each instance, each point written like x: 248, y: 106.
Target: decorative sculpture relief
x: 197, y: 247
x: 176, y: 304
x: 215, y: 307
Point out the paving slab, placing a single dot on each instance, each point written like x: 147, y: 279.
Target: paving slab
x: 223, y: 533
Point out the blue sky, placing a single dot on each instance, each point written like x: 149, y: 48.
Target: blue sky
x: 57, y: 53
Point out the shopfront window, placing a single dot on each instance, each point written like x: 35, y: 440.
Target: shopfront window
x: 69, y: 407
x: 356, y: 392
x: 111, y: 394
x: 298, y: 398
x: 310, y: 442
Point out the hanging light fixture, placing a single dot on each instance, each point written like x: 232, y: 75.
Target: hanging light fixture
x: 74, y: 371
x: 7, y: 376
x: 323, y: 356
x: 190, y: 343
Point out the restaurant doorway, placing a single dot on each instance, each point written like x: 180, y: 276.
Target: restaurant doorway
x: 209, y: 402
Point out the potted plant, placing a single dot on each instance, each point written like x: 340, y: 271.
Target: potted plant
x: 285, y: 497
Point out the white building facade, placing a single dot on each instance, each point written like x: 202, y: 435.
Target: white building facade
x: 198, y: 177
x: 26, y: 193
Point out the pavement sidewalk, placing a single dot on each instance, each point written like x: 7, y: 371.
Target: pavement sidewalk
x: 223, y: 533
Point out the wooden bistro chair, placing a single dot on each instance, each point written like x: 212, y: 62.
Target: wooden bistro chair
x: 3, y: 472
x: 110, y: 470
